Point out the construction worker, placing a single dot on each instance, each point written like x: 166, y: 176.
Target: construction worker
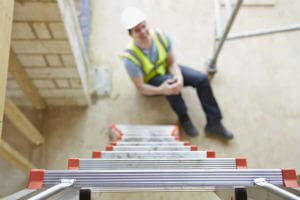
x: 151, y: 65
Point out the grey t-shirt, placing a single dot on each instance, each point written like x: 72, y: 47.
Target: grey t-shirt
x: 133, y: 70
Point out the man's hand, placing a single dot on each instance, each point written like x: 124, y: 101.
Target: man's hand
x: 167, y: 87
x: 178, y: 84
x: 171, y: 86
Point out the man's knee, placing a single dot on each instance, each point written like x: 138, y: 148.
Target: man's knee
x: 205, y: 79
x: 200, y: 79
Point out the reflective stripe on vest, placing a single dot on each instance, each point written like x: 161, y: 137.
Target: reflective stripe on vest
x: 149, y: 69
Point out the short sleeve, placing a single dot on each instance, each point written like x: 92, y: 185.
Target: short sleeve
x: 132, y: 69
x: 169, y: 49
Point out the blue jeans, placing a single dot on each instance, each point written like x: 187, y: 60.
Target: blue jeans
x: 200, y: 82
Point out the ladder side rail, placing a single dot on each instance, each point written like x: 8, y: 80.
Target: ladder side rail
x: 228, y: 6
x: 262, y: 32
x: 218, y: 20
x: 65, y: 183
x: 212, y: 62
x: 20, y: 194
x: 275, y: 189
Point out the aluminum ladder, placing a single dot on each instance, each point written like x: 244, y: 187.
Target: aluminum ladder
x: 152, y: 158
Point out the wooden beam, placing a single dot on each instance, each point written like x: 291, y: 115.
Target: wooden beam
x: 22, y: 78
x: 15, y: 158
x: 15, y: 115
x: 6, y: 15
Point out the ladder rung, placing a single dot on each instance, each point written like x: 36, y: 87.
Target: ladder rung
x: 176, y: 143
x: 102, y: 164
x: 161, y: 179
x: 148, y: 134
x: 154, y: 154
x: 148, y: 139
x: 118, y: 129
x: 151, y: 148
x: 123, y: 127
x: 138, y: 131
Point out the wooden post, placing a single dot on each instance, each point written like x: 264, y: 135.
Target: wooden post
x: 15, y: 158
x: 6, y: 15
x: 22, y: 78
x: 15, y: 115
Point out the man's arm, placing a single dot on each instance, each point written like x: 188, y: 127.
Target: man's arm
x: 146, y: 89
x: 166, y: 88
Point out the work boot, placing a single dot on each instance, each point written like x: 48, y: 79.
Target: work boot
x: 218, y: 129
x: 188, y: 126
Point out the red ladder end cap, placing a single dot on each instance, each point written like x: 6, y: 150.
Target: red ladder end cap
x: 210, y: 154
x: 289, y: 178
x: 115, y: 129
x: 109, y: 148
x: 119, y: 138
x: 36, y: 179
x: 175, y: 131
x: 96, y: 154
x: 186, y: 143
x: 241, y: 163
x: 113, y: 143
x: 73, y: 164
x: 194, y: 148
x: 113, y: 126
x: 119, y: 135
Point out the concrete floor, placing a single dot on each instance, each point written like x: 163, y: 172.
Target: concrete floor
x: 256, y: 87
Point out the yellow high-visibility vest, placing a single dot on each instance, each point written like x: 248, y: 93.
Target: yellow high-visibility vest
x: 138, y: 57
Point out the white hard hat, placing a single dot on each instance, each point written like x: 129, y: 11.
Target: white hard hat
x: 132, y: 16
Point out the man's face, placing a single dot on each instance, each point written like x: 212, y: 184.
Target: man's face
x: 140, y: 32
